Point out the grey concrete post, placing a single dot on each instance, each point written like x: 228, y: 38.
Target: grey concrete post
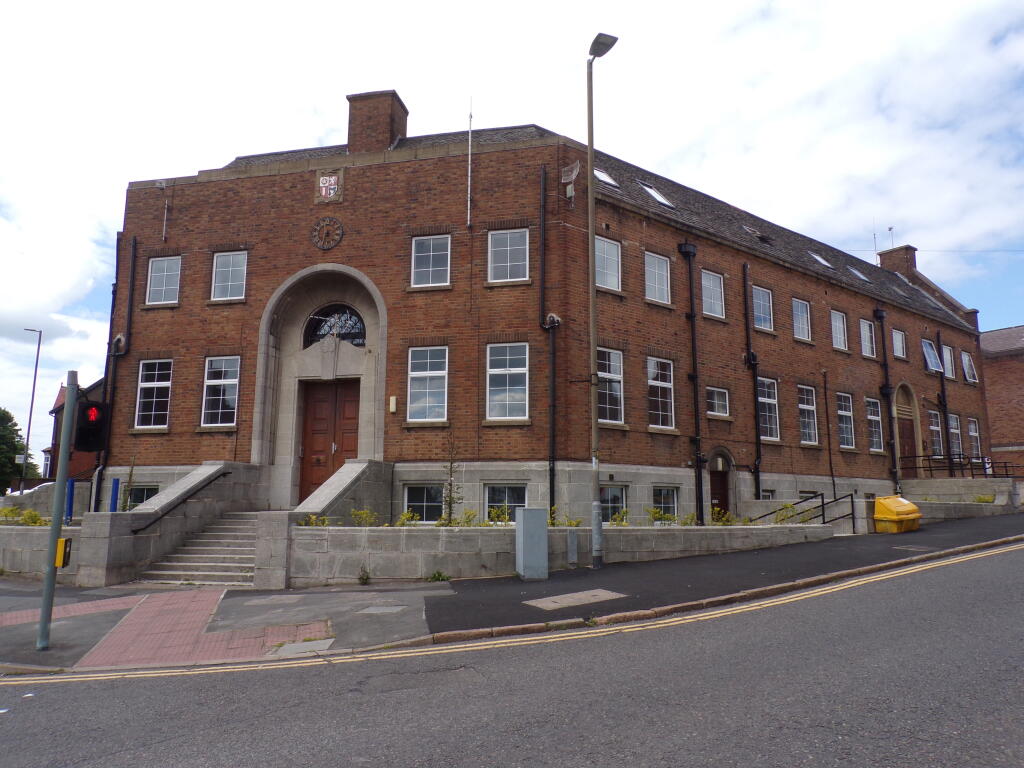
x: 532, y: 543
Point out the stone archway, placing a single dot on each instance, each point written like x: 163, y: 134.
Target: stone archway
x: 290, y: 362
x: 907, y: 418
x: 720, y: 479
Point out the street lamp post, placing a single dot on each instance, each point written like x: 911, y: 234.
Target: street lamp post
x: 599, y: 47
x: 31, y: 405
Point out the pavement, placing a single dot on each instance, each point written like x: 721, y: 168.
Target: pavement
x: 139, y: 625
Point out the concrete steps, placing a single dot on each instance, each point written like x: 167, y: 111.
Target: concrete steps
x: 223, y: 554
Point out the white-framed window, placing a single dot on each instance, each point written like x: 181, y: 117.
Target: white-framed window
x: 899, y: 343
x: 764, y: 317
x: 867, y: 338
x: 967, y: 363
x: 153, y: 401
x: 508, y: 381
x: 656, y: 278
x: 974, y: 438
x: 931, y: 356
x: 608, y: 264
x: 839, y: 330
x: 874, y: 413
x: 508, y: 255
x: 768, y: 408
x: 229, y: 275
x: 653, y: 192
x: 712, y: 293
x: 660, y: 396
x: 613, y: 501
x: 428, y: 384
x: 718, y: 401
x: 844, y: 410
x: 801, y: 319
x: 948, y: 362
x: 767, y: 494
x: 425, y: 501
x: 220, y: 391
x: 666, y: 500
x: 935, y: 432
x: 164, y: 277
x: 956, y: 446
x: 807, y: 406
x: 431, y: 258
x: 609, y: 386
x: 510, y: 496
x: 140, y: 494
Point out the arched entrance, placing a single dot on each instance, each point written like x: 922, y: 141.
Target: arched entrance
x: 319, y: 378
x: 720, y: 466
x: 908, y: 430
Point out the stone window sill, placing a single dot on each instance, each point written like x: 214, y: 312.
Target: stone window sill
x: 848, y: 450
x: 662, y: 304
x: 216, y: 302
x: 842, y: 351
x: 663, y: 430
x: 612, y: 425
x: 766, y: 331
x: 716, y: 318
x: 169, y: 305
x: 816, y: 446
x: 506, y: 422
x: 219, y: 429
x: 507, y: 283
x: 808, y: 342
x: 719, y: 417
x: 149, y: 430
x: 612, y: 291
x: 417, y: 424
x: 419, y: 288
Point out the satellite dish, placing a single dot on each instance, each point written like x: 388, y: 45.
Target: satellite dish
x: 570, y: 172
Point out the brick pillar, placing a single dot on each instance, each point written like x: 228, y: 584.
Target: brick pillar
x: 902, y: 259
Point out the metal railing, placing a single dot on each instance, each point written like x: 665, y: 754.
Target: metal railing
x: 960, y: 465
x: 182, y: 500
x: 790, y: 511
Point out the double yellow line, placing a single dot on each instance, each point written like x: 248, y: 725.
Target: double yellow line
x: 506, y: 642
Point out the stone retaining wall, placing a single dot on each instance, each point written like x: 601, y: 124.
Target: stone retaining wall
x: 24, y: 550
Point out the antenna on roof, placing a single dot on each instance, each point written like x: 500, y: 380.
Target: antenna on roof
x: 892, y: 238
x: 469, y: 171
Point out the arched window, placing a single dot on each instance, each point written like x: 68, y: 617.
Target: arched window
x: 338, y: 320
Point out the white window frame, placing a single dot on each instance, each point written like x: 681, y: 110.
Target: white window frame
x: 440, y: 504
x: 724, y: 392
x: 667, y: 390
x: 177, y: 283
x: 208, y: 383
x: 932, y: 361
x: 948, y: 362
x: 659, y: 289
x: 507, y: 372
x: 956, y: 443
x: 899, y: 344
x: 606, y: 253
x: 967, y: 364
x: 708, y: 297
x: 768, y: 408
x: 213, y: 279
x: 607, y: 507
x: 429, y: 281
x: 507, y: 249
x: 154, y: 385
x: 807, y: 410
x: 606, y: 177
x: 935, y: 439
x: 606, y: 381
x: 974, y: 437
x: 844, y: 417
x: 671, y: 508
x: 839, y: 333
x: 874, y: 425
x: 426, y: 373
x: 488, y: 506
x: 759, y: 295
x: 653, y: 192
x: 867, y: 338
x: 805, y: 315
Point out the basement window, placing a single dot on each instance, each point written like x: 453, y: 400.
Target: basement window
x: 140, y: 494
x: 656, y: 194
x: 820, y: 259
x: 605, y: 177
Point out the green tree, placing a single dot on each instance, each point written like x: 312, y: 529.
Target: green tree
x: 12, y: 445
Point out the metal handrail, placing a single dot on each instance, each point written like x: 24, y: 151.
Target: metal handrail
x: 822, y: 505
x: 962, y: 464
x: 819, y: 495
x: 182, y: 500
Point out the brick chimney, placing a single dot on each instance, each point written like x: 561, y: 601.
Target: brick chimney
x: 375, y: 121
x: 902, y: 259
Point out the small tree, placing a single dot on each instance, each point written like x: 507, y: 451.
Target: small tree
x: 12, y: 445
x: 452, y: 490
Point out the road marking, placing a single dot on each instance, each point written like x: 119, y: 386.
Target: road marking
x: 507, y: 642
x: 573, y: 599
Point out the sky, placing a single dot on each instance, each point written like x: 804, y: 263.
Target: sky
x: 861, y: 124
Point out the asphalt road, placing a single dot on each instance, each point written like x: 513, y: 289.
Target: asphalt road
x: 906, y: 670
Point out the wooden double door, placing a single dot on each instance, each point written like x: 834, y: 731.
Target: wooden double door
x: 330, y: 430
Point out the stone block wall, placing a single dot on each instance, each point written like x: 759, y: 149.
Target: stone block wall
x: 24, y: 550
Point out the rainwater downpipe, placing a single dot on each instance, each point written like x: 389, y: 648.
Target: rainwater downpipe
x: 548, y: 323
x: 887, y: 392
x: 944, y: 403
x: 688, y: 251
x: 751, y: 361
x: 828, y: 431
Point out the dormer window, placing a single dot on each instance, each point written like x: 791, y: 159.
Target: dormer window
x: 656, y: 194
x: 605, y: 177
x: 820, y: 259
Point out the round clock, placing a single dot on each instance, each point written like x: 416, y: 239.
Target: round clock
x: 326, y: 233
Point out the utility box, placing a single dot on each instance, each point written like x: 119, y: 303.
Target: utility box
x: 532, y: 543
x: 894, y: 514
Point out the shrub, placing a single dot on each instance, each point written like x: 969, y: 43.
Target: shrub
x: 438, y: 576
x: 620, y: 518
x: 690, y: 519
x: 364, y: 575
x: 364, y: 518
x: 721, y: 516
x: 984, y: 499
x: 314, y: 520
x: 31, y: 517
x: 656, y: 516
x: 500, y: 515
x: 407, y: 518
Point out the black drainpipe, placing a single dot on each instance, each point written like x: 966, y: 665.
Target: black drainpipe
x: 688, y: 251
x: 828, y: 432
x: 751, y: 361
x: 887, y: 392
x: 549, y: 323
x: 944, y: 403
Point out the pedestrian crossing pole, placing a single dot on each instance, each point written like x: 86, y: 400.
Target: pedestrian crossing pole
x: 57, y: 511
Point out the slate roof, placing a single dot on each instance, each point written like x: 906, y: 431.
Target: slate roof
x: 692, y: 209
x: 1003, y: 340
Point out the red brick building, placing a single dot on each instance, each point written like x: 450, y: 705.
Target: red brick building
x: 1003, y: 351
x: 403, y: 301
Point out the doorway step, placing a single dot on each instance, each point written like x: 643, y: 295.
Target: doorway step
x: 223, y: 554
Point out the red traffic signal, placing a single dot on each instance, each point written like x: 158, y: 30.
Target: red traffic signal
x: 90, y: 427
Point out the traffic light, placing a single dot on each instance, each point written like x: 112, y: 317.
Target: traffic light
x: 90, y: 427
